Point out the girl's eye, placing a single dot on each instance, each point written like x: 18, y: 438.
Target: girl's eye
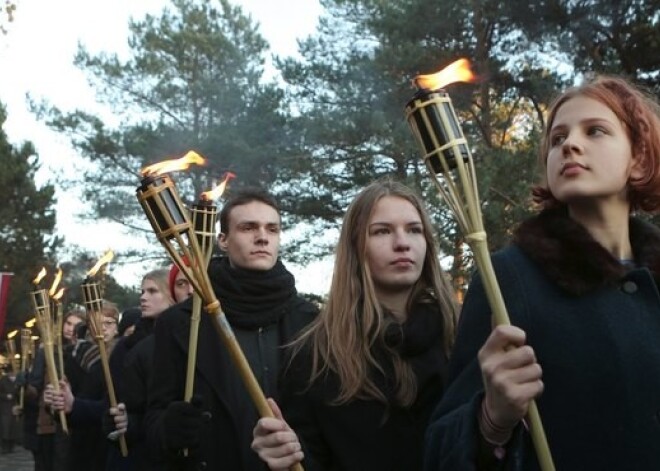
x: 380, y: 231
x: 416, y: 230
x: 596, y: 131
x: 557, y: 139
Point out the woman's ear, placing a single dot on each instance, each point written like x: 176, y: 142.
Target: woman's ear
x: 636, y: 168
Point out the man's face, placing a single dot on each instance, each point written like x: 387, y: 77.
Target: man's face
x: 253, y: 238
x: 182, y: 287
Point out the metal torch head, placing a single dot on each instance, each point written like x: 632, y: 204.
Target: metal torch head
x: 434, y: 123
x: 162, y: 205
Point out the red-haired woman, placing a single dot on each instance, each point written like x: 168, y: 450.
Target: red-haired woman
x: 581, y: 284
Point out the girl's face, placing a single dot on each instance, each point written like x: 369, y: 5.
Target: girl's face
x: 590, y: 158
x: 152, y: 300
x: 69, y: 327
x: 109, y: 327
x: 396, y: 246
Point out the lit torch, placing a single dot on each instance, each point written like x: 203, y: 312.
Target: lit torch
x: 45, y: 324
x: 10, y: 345
x: 204, y: 217
x: 94, y: 307
x: 56, y: 312
x: 170, y: 221
x: 434, y: 123
x: 26, y: 343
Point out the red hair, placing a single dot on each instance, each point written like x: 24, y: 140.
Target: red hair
x: 640, y: 114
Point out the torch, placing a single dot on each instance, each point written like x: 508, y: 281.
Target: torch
x: 170, y: 221
x: 447, y: 156
x: 204, y: 215
x: 26, y: 343
x: 10, y: 345
x: 44, y: 323
x: 94, y: 307
x: 56, y: 312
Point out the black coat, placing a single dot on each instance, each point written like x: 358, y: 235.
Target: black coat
x: 367, y: 434
x: 594, y: 326
x: 227, y: 433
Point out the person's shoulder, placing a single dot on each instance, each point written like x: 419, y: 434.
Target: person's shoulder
x: 176, y: 312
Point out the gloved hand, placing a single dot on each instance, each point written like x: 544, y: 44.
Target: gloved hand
x: 182, y: 424
x: 21, y: 379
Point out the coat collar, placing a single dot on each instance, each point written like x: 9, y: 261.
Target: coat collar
x: 568, y: 255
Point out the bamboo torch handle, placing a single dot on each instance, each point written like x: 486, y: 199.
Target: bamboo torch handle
x: 111, y: 390
x: 247, y: 375
x: 52, y: 374
x: 192, y: 351
x: 501, y: 317
x: 60, y: 357
x: 192, y: 347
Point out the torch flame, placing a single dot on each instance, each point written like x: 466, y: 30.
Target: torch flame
x: 59, y: 294
x: 56, y: 282
x: 12, y: 334
x: 40, y: 276
x: 107, y: 258
x: 457, y: 71
x: 218, y: 190
x: 172, y: 165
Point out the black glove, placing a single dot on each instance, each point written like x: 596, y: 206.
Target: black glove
x: 21, y: 379
x: 182, y: 424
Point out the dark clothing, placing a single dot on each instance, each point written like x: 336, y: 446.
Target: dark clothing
x: 266, y: 310
x: 130, y: 365
x: 9, y: 423
x: 367, y: 434
x: 594, y: 325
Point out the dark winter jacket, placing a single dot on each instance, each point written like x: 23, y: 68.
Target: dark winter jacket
x: 594, y: 325
x: 266, y: 313
x: 367, y: 434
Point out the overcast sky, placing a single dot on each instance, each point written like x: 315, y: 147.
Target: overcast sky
x: 36, y: 57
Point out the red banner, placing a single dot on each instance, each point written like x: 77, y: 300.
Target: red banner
x: 5, y: 277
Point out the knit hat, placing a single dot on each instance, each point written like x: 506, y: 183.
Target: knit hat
x: 174, y: 271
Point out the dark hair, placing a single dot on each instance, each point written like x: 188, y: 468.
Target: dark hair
x: 241, y: 197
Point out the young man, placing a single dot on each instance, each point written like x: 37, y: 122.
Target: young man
x: 258, y: 296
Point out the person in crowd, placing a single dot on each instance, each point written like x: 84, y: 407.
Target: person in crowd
x: 84, y: 402
x: 580, y: 281
x: 131, y: 371
x: 365, y: 376
x: 259, y: 297
x: 180, y: 287
x: 9, y: 424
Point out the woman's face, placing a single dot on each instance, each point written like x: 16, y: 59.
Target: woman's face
x: 590, y: 157
x: 396, y: 246
x: 109, y: 327
x: 69, y: 327
x: 153, y: 301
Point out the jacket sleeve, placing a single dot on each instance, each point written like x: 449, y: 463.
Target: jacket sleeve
x: 166, y: 385
x: 452, y: 438
x: 299, y: 411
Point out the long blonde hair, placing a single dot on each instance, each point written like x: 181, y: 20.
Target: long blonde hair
x: 353, y: 321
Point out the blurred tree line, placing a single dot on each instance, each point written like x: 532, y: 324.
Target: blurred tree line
x: 332, y: 120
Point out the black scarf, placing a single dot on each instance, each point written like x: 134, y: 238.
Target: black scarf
x: 252, y: 298
x: 421, y: 331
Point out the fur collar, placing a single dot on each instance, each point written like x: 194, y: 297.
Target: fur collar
x: 569, y: 256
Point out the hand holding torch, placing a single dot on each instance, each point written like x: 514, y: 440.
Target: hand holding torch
x: 447, y: 156
x: 41, y: 306
x: 94, y: 307
x: 170, y: 221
